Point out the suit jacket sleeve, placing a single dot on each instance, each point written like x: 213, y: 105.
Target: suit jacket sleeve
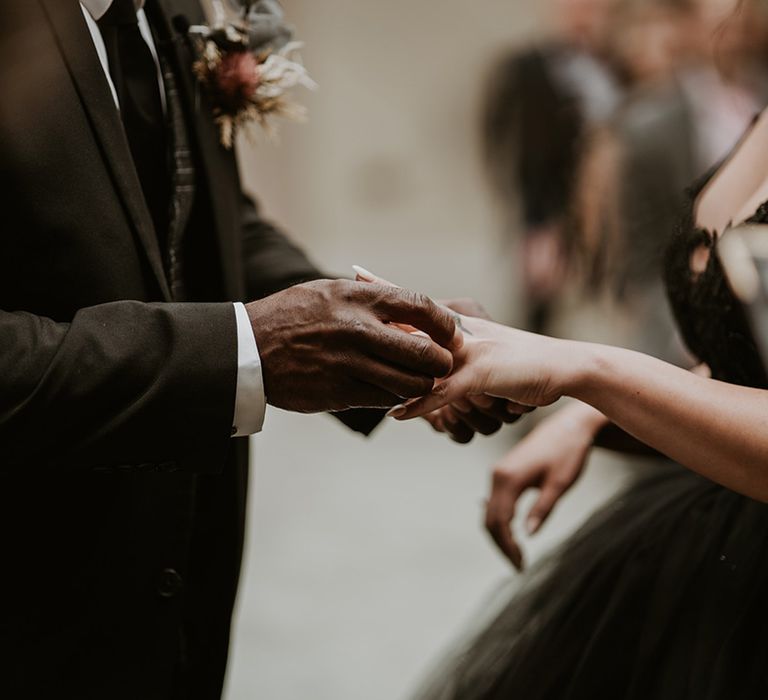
x: 124, y: 385
x: 274, y: 263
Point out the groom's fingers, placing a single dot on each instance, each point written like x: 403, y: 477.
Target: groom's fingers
x: 506, y: 412
x: 458, y: 429
x: 402, y: 306
x: 360, y: 394
x: 413, y: 353
x: 456, y: 341
x: 478, y: 414
x: 436, y: 421
x: 394, y: 380
x: 478, y: 421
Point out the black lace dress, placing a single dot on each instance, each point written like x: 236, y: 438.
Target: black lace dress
x: 663, y: 595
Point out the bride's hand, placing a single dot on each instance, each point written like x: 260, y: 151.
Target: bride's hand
x: 550, y: 458
x: 471, y: 415
x: 468, y: 415
x: 529, y: 369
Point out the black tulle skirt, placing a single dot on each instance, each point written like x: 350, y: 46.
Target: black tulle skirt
x: 662, y: 595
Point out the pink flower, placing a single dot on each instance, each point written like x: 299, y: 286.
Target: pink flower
x: 236, y: 79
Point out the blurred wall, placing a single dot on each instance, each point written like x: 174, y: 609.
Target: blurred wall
x: 365, y: 557
x: 386, y: 173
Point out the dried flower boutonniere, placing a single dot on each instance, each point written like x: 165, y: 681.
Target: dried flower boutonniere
x: 248, y: 67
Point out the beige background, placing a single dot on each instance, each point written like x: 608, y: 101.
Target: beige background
x: 366, y: 557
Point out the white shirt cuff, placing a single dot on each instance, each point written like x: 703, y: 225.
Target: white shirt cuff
x: 250, y: 399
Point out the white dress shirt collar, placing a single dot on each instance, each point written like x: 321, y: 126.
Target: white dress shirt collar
x: 93, y: 10
x: 98, y: 8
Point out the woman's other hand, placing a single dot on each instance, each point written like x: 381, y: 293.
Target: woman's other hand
x: 551, y: 459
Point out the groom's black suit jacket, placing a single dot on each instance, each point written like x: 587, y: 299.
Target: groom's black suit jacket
x: 122, y: 494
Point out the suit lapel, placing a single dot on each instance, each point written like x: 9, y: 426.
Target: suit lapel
x: 80, y: 55
x: 219, y: 169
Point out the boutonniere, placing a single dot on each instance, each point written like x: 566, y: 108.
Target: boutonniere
x: 248, y: 66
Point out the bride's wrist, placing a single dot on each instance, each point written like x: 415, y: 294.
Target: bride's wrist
x: 589, y: 365
x: 583, y: 417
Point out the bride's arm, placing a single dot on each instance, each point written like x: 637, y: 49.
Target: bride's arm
x: 716, y: 429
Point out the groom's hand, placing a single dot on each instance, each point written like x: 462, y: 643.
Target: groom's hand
x: 476, y: 414
x: 327, y: 346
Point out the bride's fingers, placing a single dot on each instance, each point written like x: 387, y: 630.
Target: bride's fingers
x: 500, y: 511
x: 505, y: 541
x: 548, y: 498
x: 363, y: 275
x: 444, y: 393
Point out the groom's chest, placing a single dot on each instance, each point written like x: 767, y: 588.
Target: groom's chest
x: 68, y: 181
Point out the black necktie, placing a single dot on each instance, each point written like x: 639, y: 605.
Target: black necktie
x: 134, y: 73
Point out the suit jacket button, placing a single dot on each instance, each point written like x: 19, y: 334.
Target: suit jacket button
x: 170, y: 583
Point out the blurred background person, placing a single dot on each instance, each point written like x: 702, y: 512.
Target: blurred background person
x: 575, y: 123
x: 698, y: 77
x: 695, y: 76
x: 543, y: 101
